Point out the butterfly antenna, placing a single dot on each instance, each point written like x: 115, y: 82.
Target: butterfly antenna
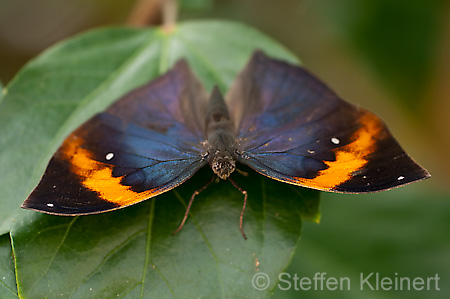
x: 241, y: 218
x: 186, y: 214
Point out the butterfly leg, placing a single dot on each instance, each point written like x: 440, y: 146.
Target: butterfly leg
x: 241, y: 218
x: 196, y: 192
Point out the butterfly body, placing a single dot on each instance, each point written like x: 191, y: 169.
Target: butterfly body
x: 276, y: 118
x: 221, y: 139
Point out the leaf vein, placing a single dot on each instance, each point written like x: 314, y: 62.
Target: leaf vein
x: 106, y: 258
x: 66, y: 233
x: 217, y: 261
x: 11, y: 290
x: 206, y: 63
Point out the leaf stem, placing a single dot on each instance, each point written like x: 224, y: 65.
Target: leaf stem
x: 154, y: 12
x: 145, y: 12
x: 169, y: 14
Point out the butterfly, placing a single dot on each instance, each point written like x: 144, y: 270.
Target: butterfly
x: 277, y: 118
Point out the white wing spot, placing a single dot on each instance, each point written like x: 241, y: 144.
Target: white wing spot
x: 109, y: 156
x: 364, y: 177
x: 335, y: 140
x: 50, y: 205
x: 311, y: 151
x: 400, y: 178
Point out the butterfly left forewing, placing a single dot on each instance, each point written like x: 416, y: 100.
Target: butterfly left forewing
x: 145, y: 144
x: 293, y: 128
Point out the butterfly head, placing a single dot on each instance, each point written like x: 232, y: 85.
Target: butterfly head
x: 223, y: 165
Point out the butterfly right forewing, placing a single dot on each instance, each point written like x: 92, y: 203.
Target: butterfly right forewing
x: 293, y: 128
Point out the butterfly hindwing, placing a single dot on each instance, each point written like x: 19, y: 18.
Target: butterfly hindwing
x: 293, y: 128
x: 145, y: 144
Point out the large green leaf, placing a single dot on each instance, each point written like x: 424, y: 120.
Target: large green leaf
x: 7, y: 278
x: 130, y: 252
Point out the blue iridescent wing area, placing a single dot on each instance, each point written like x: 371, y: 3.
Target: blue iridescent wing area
x: 146, y: 143
x: 293, y: 128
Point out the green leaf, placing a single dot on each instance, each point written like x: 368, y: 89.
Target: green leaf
x: 130, y: 252
x: 8, y: 287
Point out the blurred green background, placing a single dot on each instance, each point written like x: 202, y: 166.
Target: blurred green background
x: 392, y: 57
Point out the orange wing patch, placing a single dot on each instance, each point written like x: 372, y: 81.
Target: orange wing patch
x: 349, y: 158
x: 97, y: 176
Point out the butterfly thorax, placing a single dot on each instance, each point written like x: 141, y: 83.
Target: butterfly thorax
x: 221, y: 139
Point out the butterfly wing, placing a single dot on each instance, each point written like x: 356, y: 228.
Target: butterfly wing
x: 146, y: 143
x: 293, y: 128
